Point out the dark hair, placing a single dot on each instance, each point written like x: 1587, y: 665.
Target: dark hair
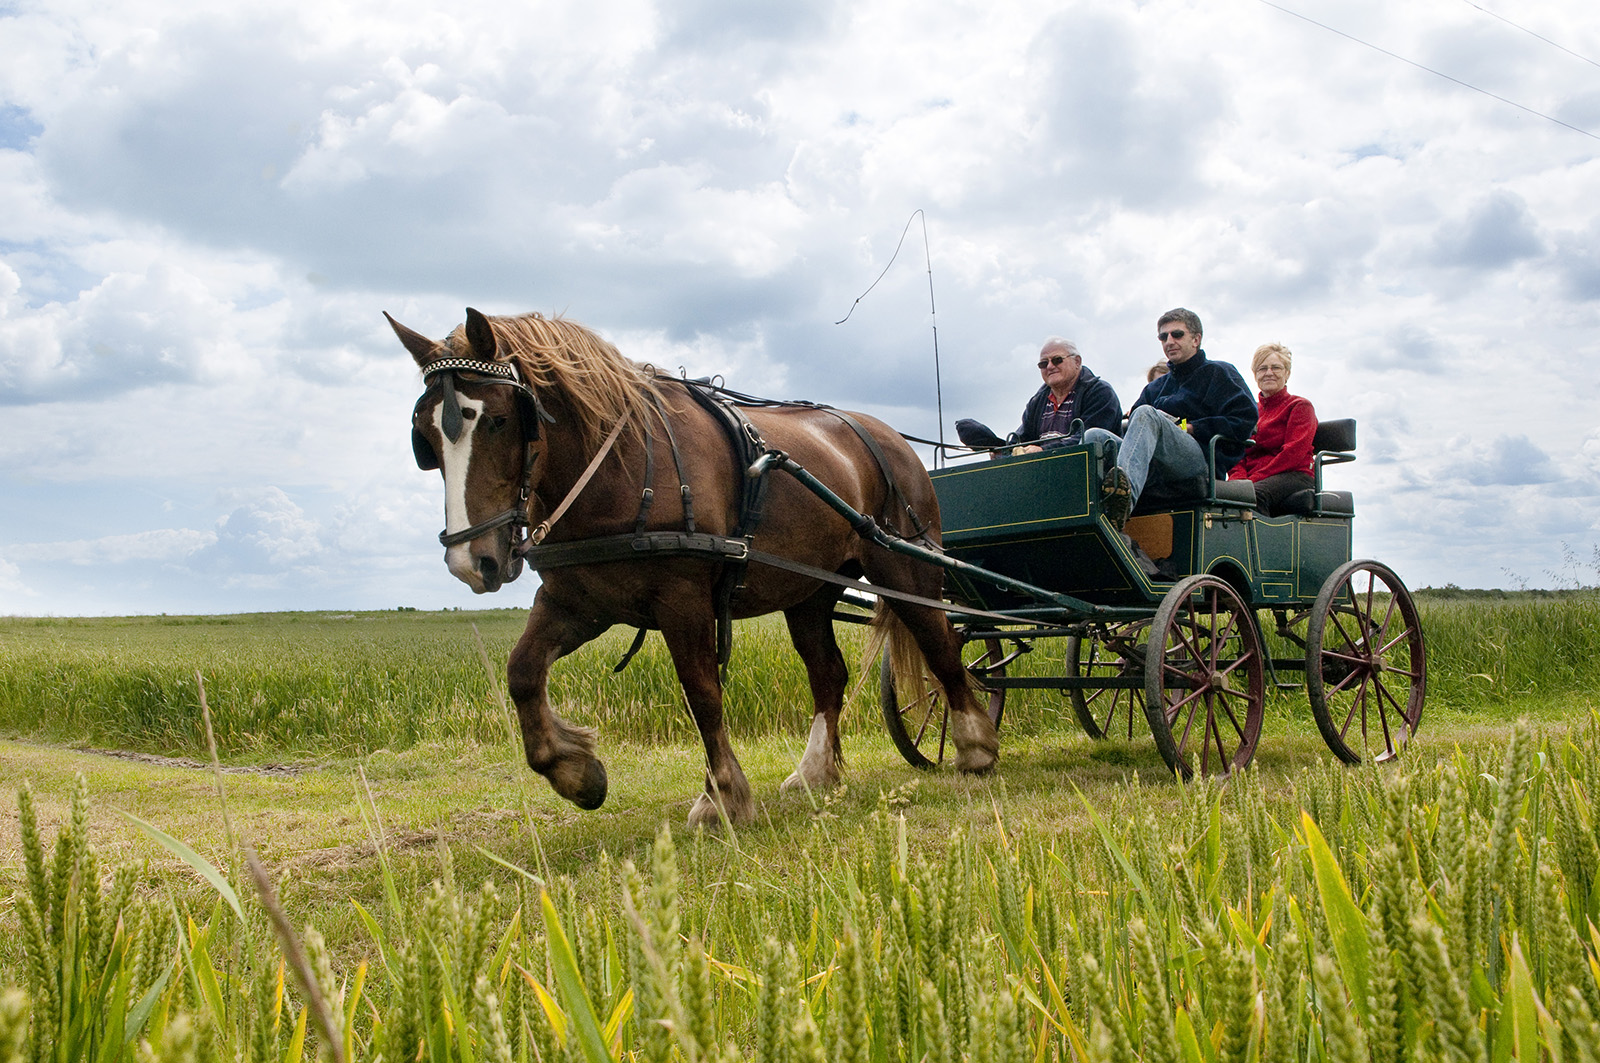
x: 1187, y: 318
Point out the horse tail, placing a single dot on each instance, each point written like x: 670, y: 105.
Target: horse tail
x: 912, y: 677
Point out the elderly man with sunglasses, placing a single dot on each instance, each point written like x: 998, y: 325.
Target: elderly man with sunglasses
x: 1162, y: 453
x: 1070, y: 393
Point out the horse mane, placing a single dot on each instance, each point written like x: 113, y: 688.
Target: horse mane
x: 598, y: 384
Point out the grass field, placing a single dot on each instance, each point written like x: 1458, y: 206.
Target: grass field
x: 930, y: 916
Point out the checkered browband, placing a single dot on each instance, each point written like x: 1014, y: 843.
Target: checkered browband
x: 446, y: 365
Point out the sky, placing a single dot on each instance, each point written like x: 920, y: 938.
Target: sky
x: 204, y: 210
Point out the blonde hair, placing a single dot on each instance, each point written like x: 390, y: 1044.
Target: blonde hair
x: 1266, y: 350
x: 556, y: 355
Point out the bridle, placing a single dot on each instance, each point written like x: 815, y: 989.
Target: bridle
x: 452, y: 423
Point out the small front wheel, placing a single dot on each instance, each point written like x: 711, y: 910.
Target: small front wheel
x: 1113, y: 654
x: 1366, y: 663
x: 919, y: 721
x: 1205, y: 678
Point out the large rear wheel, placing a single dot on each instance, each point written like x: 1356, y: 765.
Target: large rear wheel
x: 1205, y: 679
x: 1113, y: 653
x: 919, y: 719
x: 1366, y: 663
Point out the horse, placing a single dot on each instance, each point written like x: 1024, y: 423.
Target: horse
x: 531, y: 415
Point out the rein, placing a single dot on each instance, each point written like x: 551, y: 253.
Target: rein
x: 537, y: 535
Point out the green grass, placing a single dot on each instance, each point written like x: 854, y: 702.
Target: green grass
x: 319, y: 685
x: 399, y: 703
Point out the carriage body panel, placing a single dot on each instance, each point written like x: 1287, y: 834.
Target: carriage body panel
x: 1037, y: 518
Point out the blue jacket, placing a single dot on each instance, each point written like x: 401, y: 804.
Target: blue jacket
x: 1095, y: 403
x: 1213, y: 398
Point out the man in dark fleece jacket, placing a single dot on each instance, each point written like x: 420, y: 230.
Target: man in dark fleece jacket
x: 1163, y: 452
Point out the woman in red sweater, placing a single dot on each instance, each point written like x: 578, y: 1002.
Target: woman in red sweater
x: 1280, y: 461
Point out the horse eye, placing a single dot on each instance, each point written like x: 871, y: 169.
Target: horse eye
x: 468, y: 413
x: 497, y: 423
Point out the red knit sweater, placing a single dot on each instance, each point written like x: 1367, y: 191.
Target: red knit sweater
x: 1285, y: 426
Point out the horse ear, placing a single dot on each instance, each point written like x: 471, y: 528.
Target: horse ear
x: 480, y: 335
x: 421, y: 347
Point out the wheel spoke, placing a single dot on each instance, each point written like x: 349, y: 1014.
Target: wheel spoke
x: 1193, y: 647
x: 1189, y: 721
x: 1405, y: 633
x: 1227, y: 708
x: 1244, y: 658
x: 1353, y: 673
x: 944, y: 723
x: 1348, y: 641
x: 1358, y: 703
x: 932, y: 701
x: 1344, y: 657
x: 1383, y: 714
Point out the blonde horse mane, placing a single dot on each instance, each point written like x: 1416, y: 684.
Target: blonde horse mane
x: 598, y: 384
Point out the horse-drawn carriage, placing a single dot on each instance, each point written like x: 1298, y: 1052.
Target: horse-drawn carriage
x: 660, y: 507
x: 1182, y: 648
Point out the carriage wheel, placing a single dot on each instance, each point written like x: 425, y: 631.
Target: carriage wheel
x: 920, y: 725
x: 1366, y: 663
x: 1114, y: 653
x: 1205, y: 680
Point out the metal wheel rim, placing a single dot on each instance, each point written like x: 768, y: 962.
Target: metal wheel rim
x: 1366, y: 663
x: 1209, y: 672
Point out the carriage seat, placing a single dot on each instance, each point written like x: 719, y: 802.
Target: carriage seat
x: 1334, y: 444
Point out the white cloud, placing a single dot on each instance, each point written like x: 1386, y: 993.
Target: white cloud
x: 203, y: 210
x: 164, y: 544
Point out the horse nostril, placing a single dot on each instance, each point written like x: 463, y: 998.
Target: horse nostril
x: 488, y: 567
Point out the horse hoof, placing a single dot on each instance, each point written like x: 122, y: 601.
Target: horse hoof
x: 592, y: 794
x: 798, y: 783
x: 703, y: 813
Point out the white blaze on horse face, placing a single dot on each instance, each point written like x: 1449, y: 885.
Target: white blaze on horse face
x: 454, y: 460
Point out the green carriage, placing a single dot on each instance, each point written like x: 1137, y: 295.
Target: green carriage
x: 1166, y: 625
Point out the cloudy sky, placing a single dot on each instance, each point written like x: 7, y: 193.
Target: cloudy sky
x: 204, y: 208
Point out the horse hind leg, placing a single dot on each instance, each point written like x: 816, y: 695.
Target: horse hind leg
x: 811, y: 631
x: 914, y: 629
x: 562, y: 752
x: 690, y: 634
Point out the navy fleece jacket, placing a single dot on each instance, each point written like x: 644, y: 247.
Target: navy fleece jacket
x: 1213, y: 398
x: 1095, y: 403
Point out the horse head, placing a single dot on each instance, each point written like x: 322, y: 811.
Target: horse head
x: 478, y: 423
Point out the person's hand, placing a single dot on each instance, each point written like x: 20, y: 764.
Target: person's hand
x: 1029, y: 449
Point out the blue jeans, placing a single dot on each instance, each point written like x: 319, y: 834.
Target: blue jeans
x: 1157, y: 455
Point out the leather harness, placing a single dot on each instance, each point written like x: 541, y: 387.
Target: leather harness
x: 734, y: 551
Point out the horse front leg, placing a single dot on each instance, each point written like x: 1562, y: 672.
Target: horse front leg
x: 811, y: 631
x: 690, y: 634
x: 562, y: 752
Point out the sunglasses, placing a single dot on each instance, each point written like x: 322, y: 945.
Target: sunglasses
x: 1054, y: 359
x: 1176, y: 334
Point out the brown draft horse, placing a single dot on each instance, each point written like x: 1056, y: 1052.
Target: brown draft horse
x: 587, y: 388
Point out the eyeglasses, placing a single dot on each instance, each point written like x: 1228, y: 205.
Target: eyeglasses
x: 1176, y: 334
x: 1054, y: 359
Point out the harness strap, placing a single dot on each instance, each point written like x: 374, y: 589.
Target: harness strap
x: 647, y: 497
x: 536, y: 536
x: 613, y: 548
x: 677, y: 464
x: 919, y: 530
x: 638, y: 643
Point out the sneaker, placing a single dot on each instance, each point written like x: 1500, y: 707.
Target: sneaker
x: 1116, y: 497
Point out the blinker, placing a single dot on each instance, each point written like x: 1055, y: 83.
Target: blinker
x: 451, y: 420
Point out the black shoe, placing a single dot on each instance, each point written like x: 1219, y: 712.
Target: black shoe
x: 1116, y: 497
